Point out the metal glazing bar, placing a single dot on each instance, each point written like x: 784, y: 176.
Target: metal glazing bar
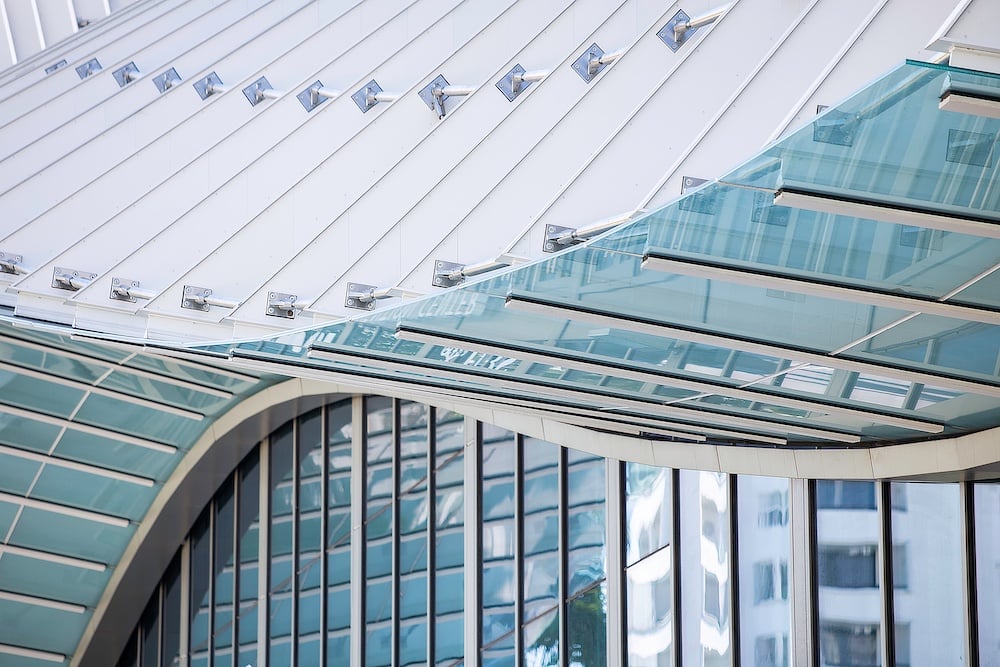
x: 705, y: 19
x: 970, y: 578
x: 359, y: 486
x: 557, y: 237
x: 885, y: 211
x: 79, y: 467
x: 581, y: 314
x: 472, y: 571
x: 628, y: 371
x: 969, y: 98
x: 449, y: 274
x: 661, y: 260
x: 35, y: 554
x: 612, y: 401
x: 65, y: 510
x: 614, y: 526
x: 88, y: 429
x: 42, y: 602
x: 547, y: 406
x: 102, y: 391
x: 32, y: 654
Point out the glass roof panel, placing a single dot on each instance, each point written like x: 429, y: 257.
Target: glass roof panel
x: 16, y: 474
x: 891, y: 142
x: 93, y: 492
x: 7, y: 513
x: 184, y: 397
x: 40, y: 628
x: 115, y: 455
x: 205, y: 376
x: 27, y: 433
x: 31, y: 576
x: 138, y: 420
x: 38, y: 395
x: 725, y: 306
x: 70, y: 536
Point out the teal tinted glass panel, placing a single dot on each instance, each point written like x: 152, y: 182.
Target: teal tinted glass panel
x: 223, y: 561
x: 891, y: 141
x: 70, y: 536
x: 40, y: 628
x: 183, y: 397
x: 199, y: 610
x: 139, y: 421
x: 16, y: 474
x: 743, y: 230
x: 93, y: 492
x: 7, y: 514
x: 449, y: 509
x: 414, y: 505
x: 48, y: 398
x: 282, y: 520
x: 310, y: 534
x: 198, y: 375
x: 115, y: 455
x: 248, y: 535
x: 30, y: 576
x: 27, y: 433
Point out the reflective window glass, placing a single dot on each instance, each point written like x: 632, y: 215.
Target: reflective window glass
x: 282, y: 535
x: 310, y: 535
x: 248, y: 535
x: 449, y: 552
x: 705, y: 561
x: 499, y: 472
x: 849, y: 605
x: 987, y: 503
x: 764, y: 555
x: 201, y: 579
x: 929, y: 613
x: 338, y: 540
x: 224, y: 574
x: 379, y: 599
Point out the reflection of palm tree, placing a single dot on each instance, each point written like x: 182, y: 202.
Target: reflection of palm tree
x: 588, y: 624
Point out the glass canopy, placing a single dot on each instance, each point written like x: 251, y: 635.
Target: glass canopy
x: 88, y: 436
x: 840, y: 288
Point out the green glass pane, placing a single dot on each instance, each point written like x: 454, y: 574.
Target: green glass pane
x: 27, y: 433
x: 30, y: 576
x: 115, y: 455
x: 170, y: 394
x: 16, y: 474
x: 40, y: 628
x: 7, y: 514
x: 139, y: 420
x: 93, y: 492
x: 70, y: 536
x: 48, y: 398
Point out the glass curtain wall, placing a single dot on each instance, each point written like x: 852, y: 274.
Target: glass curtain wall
x: 707, y: 559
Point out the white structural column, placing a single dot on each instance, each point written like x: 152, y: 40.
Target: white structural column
x: 473, y: 540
